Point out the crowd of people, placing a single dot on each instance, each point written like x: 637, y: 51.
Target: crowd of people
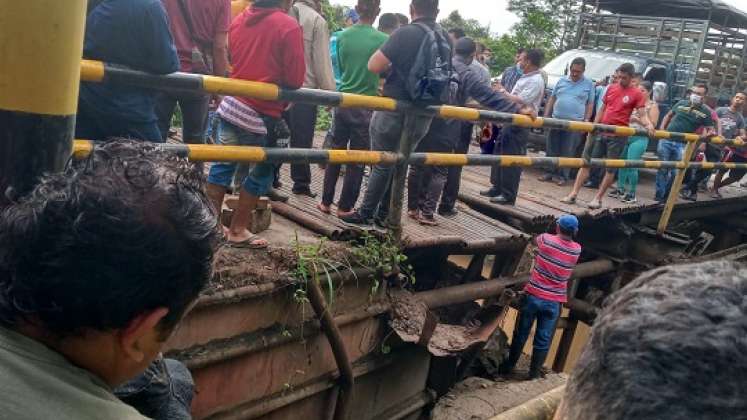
x: 100, y: 263
x: 288, y: 43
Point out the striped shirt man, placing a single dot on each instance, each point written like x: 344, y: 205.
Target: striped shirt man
x: 554, y: 261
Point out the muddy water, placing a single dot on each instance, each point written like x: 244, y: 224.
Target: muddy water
x: 579, y: 339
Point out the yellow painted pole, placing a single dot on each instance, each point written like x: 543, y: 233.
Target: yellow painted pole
x: 674, y: 193
x: 41, y: 44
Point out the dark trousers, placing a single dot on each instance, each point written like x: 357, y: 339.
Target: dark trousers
x: 425, y: 183
x: 93, y: 126
x: 561, y: 143
x: 695, y: 177
x: 163, y: 392
x: 454, y: 176
x: 386, y: 133
x: 350, y: 130
x: 194, y: 108
x: 302, y: 126
x: 512, y: 142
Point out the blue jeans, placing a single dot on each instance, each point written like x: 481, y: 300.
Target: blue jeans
x: 163, y: 392
x: 546, y: 313
x: 667, y: 151
x: 259, y: 180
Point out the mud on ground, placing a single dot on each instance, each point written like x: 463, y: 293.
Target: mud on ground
x: 479, y: 398
x: 236, y: 267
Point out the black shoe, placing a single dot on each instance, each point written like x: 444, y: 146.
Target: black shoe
x: 356, y: 220
x: 501, y: 199
x: 380, y: 224
x: 275, y: 195
x: 448, y: 213
x: 591, y: 184
x: 535, y: 366
x: 493, y: 192
x: 304, y: 191
x: 688, y: 195
x: 545, y: 178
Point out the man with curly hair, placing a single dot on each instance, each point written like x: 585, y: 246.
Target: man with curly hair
x: 98, y: 265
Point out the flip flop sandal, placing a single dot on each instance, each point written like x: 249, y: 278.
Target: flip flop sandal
x: 249, y: 243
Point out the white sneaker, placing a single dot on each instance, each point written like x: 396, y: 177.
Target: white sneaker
x: 595, y: 204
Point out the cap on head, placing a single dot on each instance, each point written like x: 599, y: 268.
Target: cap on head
x: 353, y: 16
x: 568, y: 222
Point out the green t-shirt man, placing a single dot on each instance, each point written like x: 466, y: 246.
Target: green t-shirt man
x: 355, y: 46
x: 39, y: 383
x: 687, y: 118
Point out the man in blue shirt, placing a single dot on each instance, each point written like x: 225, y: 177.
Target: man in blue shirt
x: 135, y: 34
x: 573, y: 100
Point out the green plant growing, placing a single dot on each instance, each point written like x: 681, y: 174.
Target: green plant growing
x: 312, y: 264
x: 384, y: 257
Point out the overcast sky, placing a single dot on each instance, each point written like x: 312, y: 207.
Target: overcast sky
x: 488, y: 12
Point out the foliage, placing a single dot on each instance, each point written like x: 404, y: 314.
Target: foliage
x: 335, y: 15
x: 323, y: 119
x: 546, y: 24
x: 383, y: 256
x: 312, y: 264
x: 549, y: 25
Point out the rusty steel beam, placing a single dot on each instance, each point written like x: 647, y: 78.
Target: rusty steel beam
x: 540, y: 408
x: 331, y: 330
x: 480, y: 290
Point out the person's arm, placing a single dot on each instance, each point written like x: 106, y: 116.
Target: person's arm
x: 293, y: 59
x: 220, y: 40
x: 220, y: 54
x: 653, y: 114
x: 320, y: 56
x: 489, y: 98
x: 590, y: 102
x: 158, y: 42
x: 549, y: 106
x: 600, y: 113
x: 646, y: 122
x: 379, y: 63
x: 667, y: 119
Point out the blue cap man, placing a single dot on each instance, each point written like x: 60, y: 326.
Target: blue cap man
x: 568, y: 224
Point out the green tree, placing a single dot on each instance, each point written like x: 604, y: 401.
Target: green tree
x: 545, y: 24
x: 471, y: 27
x: 335, y: 15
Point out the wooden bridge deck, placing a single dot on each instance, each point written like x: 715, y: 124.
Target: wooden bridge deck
x: 468, y: 232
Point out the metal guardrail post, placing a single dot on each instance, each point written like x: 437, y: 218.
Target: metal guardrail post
x: 41, y: 43
x: 676, y: 187
x: 399, y: 179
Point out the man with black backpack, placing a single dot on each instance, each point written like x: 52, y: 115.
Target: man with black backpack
x: 417, y: 58
x: 200, y: 30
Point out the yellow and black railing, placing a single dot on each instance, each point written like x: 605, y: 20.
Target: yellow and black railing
x: 97, y: 71
x: 245, y: 154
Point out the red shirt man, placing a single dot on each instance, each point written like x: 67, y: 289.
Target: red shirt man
x: 620, y: 102
x: 621, y: 99
x: 266, y: 45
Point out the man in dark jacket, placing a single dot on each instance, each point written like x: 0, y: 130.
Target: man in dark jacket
x: 427, y: 183
x: 135, y: 34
